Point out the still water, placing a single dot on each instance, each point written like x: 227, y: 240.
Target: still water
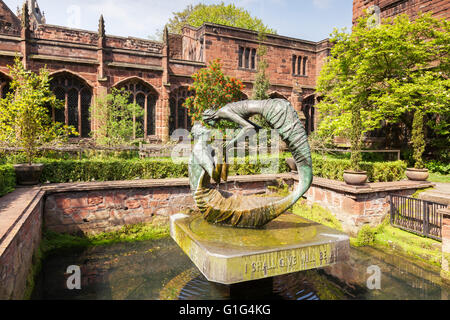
x: 160, y: 270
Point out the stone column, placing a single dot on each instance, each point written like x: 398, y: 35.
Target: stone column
x: 445, y: 271
x: 25, y: 35
x: 163, y: 110
x: 101, y: 89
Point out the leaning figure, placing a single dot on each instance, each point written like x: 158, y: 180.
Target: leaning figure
x: 238, y: 210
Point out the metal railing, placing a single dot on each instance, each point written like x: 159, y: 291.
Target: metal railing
x: 417, y: 216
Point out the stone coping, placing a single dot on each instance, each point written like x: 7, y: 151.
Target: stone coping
x: 152, y: 183
x: 340, y: 186
x: 15, y: 208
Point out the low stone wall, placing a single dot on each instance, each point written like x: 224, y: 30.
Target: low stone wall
x: 98, y: 207
x: 358, y: 206
x: 104, y: 207
x: 445, y: 272
x: 18, y: 248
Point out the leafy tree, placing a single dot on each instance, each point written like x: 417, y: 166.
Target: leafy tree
x: 212, y: 90
x: 114, y: 114
x: 376, y: 75
x: 25, y: 113
x: 228, y: 15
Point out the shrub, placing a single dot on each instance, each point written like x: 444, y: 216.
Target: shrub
x: 7, y: 179
x: 333, y: 168
x: 61, y: 171
x: 438, y: 167
x: 366, y: 236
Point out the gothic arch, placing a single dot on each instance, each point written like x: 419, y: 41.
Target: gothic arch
x: 5, y: 81
x: 69, y: 72
x: 76, y: 95
x: 145, y: 95
x: 179, y: 116
x: 276, y: 95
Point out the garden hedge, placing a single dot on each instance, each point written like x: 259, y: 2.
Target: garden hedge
x: 332, y: 168
x: 7, y: 179
x: 58, y: 171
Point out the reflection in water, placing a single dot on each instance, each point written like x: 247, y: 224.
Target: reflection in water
x: 160, y: 270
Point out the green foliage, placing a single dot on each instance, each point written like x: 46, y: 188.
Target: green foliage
x: 110, y: 169
x: 114, y: 114
x: 366, y: 236
x: 437, y: 166
x: 25, y: 113
x: 333, y: 168
x: 7, y: 179
x: 228, y: 15
x: 383, y: 73
x: 213, y: 90
x: 58, y: 171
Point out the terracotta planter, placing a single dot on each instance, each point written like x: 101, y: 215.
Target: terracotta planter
x: 417, y: 174
x: 355, y: 178
x: 28, y: 175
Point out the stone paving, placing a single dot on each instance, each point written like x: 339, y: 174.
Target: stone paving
x: 440, y: 193
x: 12, y: 206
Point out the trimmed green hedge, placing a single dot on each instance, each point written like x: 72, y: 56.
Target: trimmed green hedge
x: 60, y: 171
x: 113, y: 169
x: 332, y: 168
x: 7, y: 179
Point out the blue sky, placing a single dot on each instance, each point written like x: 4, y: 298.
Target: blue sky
x: 305, y: 19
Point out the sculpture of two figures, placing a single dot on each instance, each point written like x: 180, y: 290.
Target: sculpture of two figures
x: 237, y: 210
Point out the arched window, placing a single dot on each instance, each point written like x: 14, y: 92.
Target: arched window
x: 77, y: 98
x: 179, y: 115
x: 276, y: 95
x: 4, y: 85
x: 144, y: 95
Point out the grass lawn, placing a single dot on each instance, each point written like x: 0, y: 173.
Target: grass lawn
x: 437, y: 177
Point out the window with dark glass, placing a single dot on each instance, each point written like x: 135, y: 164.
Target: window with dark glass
x: 299, y: 65
x: 146, y: 97
x: 247, y: 58
x: 76, y: 96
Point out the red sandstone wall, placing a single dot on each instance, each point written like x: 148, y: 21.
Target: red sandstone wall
x: 9, y: 23
x: 16, y: 258
x: 391, y: 8
x: 110, y: 209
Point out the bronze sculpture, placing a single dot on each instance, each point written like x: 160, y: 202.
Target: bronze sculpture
x: 247, y: 211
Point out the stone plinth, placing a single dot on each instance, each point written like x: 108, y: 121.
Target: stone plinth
x: 231, y: 255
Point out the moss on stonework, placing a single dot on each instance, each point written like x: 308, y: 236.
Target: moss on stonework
x: 130, y: 233
x: 314, y: 213
x: 422, y: 250
x: 36, y: 266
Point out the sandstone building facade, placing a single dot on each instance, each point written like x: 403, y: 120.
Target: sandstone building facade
x: 86, y: 64
x: 392, y: 8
